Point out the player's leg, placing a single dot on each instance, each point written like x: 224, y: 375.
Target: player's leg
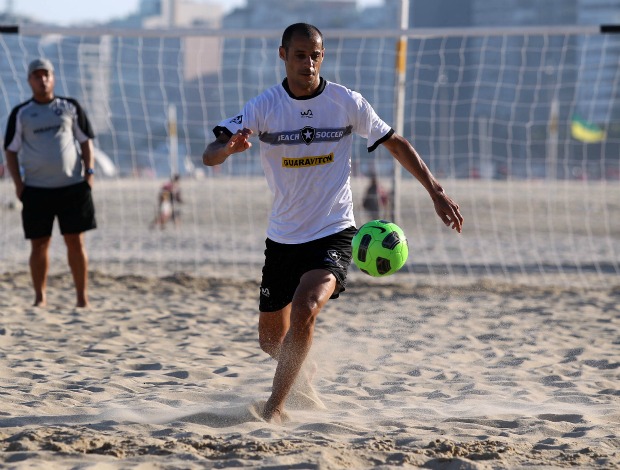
x: 39, y: 266
x: 38, y: 222
x: 76, y: 214
x: 313, y: 292
x: 272, y: 328
x: 277, y: 288
x: 297, y: 282
x: 78, y: 263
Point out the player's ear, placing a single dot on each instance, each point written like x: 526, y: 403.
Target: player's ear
x: 282, y: 53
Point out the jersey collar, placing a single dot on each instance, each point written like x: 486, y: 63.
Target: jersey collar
x: 319, y: 90
x: 43, y: 102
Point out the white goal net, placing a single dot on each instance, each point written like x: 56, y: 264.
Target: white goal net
x: 521, y: 127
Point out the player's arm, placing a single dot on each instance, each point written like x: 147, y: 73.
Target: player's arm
x: 447, y: 210
x: 221, y: 148
x: 88, y: 160
x: 13, y: 166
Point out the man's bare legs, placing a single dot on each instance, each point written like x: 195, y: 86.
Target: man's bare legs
x: 78, y: 262
x: 39, y: 265
x: 287, y: 335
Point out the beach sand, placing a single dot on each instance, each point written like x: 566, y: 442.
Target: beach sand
x: 416, y: 370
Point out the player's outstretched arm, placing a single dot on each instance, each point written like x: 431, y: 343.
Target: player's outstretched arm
x: 221, y: 148
x: 447, y: 210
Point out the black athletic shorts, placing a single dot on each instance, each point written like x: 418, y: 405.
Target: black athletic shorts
x: 73, y: 205
x: 285, y: 264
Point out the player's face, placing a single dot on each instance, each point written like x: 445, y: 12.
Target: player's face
x: 42, y: 84
x: 303, y: 60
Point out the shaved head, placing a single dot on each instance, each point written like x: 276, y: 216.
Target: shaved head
x: 304, y: 30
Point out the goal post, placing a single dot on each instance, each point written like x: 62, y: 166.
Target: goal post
x: 521, y: 126
x: 400, y: 73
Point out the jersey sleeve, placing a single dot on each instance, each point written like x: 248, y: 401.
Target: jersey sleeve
x: 13, y: 135
x: 229, y: 126
x: 82, y: 129
x: 247, y: 119
x: 369, y: 125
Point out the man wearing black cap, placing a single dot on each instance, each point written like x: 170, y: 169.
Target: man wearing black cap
x: 53, y: 179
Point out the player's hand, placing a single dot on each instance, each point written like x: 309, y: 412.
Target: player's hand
x: 239, y: 141
x: 448, y: 211
x: 19, y: 190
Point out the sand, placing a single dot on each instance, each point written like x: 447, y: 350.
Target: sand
x: 423, y: 369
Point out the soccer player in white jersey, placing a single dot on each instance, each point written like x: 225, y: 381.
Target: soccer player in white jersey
x: 304, y: 127
x: 52, y: 178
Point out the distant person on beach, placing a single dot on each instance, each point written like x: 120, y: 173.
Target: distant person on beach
x: 163, y: 212
x: 168, y: 200
x: 376, y: 199
x: 53, y: 179
x: 305, y: 127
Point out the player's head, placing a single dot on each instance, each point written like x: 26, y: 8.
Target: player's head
x: 41, y: 79
x: 304, y: 30
x: 302, y: 52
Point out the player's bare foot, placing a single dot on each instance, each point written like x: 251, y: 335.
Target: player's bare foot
x: 274, y: 415
x: 40, y: 300
x: 82, y: 302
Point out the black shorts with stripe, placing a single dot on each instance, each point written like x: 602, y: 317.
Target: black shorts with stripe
x: 286, y: 263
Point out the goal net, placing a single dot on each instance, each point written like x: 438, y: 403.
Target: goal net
x: 521, y: 127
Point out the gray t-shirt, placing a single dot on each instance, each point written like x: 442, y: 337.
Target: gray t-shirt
x: 44, y: 137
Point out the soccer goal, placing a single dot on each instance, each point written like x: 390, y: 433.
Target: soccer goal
x: 522, y: 127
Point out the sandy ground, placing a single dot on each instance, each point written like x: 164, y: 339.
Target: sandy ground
x: 475, y: 357
x: 163, y: 372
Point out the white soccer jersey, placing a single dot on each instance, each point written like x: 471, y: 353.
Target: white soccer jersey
x: 305, y: 148
x: 44, y: 135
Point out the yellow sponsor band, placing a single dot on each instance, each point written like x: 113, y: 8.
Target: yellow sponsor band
x: 304, y: 162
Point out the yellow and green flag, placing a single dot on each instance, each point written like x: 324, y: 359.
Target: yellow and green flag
x: 585, y: 131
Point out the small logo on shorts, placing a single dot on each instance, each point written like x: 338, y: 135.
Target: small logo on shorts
x: 264, y: 291
x: 334, y: 257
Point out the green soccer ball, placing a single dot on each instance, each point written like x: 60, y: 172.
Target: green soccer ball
x: 380, y: 248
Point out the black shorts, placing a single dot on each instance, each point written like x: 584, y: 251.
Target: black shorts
x: 285, y: 264
x: 73, y: 205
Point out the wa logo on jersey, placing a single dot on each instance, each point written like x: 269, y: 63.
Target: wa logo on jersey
x: 307, y: 134
x: 307, y: 114
x: 237, y: 119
